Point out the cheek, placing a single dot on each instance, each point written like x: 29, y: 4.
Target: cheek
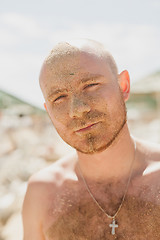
x: 101, y: 99
x: 58, y: 114
x: 59, y: 124
x: 107, y: 92
x: 93, y: 98
x: 111, y: 94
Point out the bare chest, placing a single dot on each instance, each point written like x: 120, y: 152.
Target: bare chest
x: 77, y: 217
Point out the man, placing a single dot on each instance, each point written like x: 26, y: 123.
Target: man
x: 110, y: 188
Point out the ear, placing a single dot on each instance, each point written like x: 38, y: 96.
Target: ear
x: 124, y: 83
x: 45, y: 106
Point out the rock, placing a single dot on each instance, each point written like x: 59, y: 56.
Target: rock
x: 18, y: 165
x: 6, y: 206
x: 13, y: 229
x: 7, y: 145
x: 11, y: 199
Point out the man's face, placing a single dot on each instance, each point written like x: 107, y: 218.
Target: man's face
x: 84, y: 102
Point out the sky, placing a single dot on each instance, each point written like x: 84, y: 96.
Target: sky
x: 130, y: 30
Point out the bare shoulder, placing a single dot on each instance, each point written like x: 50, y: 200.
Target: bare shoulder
x: 52, y: 176
x: 149, y: 151
x: 47, y: 181
x: 149, y: 154
x: 146, y: 184
x: 41, y: 192
x: 149, y: 148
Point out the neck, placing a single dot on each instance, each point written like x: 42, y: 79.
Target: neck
x: 111, y: 164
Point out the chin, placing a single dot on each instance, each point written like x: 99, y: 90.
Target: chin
x: 97, y: 143
x: 92, y: 150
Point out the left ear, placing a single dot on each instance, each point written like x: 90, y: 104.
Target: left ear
x: 124, y: 83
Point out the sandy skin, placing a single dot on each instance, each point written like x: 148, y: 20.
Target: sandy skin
x: 87, y: 108
x: 61, y: 208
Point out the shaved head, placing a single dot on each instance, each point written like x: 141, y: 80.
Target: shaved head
x: 72, y: 49
x: 80, y: 85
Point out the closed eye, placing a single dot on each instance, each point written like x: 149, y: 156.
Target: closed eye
x: 91, y: 85
x: 60, y: 97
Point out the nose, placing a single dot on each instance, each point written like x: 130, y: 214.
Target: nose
x: 78, y: 107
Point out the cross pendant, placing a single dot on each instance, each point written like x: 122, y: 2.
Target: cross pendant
x: 113, y: 226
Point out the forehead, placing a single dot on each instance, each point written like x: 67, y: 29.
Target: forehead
x: 69, y: 70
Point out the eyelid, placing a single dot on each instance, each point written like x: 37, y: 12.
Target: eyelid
x: 90, y: 85
x: 59, y: 97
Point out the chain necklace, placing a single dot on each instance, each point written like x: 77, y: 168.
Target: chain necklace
x: 113, y: 225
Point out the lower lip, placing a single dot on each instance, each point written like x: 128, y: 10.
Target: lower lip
x: 87, y: 128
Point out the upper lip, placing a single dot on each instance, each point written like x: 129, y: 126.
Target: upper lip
x: 85, y: 126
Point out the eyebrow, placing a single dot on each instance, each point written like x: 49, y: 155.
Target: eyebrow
x: 90, y: 78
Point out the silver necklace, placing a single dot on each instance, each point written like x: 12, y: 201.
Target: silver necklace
x: 113, y: 225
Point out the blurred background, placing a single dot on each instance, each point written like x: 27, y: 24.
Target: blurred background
x: 28, y: 31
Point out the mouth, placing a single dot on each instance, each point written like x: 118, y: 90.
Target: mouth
x: 86, y: 128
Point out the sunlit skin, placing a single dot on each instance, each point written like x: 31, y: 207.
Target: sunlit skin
x: 86, y: 108
x: 85, y: 100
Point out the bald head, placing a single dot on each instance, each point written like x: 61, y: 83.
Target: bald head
x: 67, y: 51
